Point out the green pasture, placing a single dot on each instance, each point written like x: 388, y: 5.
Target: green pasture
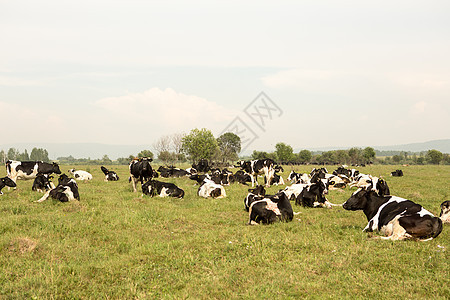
x: 116, y: 244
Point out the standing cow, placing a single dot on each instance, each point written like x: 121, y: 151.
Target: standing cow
x: 257, y: 167
x: 29, y: 169
x: 140, y: 169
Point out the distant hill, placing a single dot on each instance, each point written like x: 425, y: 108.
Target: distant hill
x: 81, y: 150
x: 97, y: 151
x: 441, y: 145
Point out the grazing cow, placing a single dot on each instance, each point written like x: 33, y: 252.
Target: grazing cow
x: 162, y: 189
x: 257, y: 167
x: 109, y: 175
x: 140, y: 169
x: 397, y: 173
x: 241, y: 177
x: 66, y: 190
x: 6, y: 181
x: 42, y: 182
x: 394, y: 217
x: 253, y: 195
x: 270, y: 210
x: 211, y: 189
x: 29, y: 169
x: 445, y: 212
x: 202, y: 166
x: 80, y: 174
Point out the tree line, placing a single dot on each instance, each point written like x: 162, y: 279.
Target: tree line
x: 225, y: 149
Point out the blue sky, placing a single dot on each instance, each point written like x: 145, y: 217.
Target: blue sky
x: 347, y: 73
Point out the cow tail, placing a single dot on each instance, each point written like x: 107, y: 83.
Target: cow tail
x: 8, y: 168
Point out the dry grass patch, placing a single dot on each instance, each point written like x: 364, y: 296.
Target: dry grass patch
x: 22, y: 245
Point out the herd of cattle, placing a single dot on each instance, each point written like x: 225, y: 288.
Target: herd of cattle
x: 394, y: 217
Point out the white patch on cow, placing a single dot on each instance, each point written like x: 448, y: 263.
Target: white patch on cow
x: 394, y: 231
x: 80, y: 174
x: 164, y: 192
x: 295, y: 189
x: 424, y: 212
x: 376, y: 218
x: 273, y: 207
x: 68, y: 192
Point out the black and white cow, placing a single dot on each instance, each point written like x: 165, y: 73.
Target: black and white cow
x: 80, y: 174
x: 109, y: 175
x: 241, y: 177
x: 202, y: 166
x: 6, y: 181
x: 257, y: 167
x: 298, y: 177
x: 42, y: 183
x: 445, y: 212
x: 270, y: 210
x: 211, y: 189
x: 172, y: 172
x: 397, y: 173
x: 140, y: 169
x: 276, y: 180
x: 29, y: 169
x: 66, y: 190
x: 394, y: 217
x: 253, y: 195
x: 162, y: 189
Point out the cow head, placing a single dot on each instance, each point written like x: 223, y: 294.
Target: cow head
x: 445, y: 209
x: 55, y: 168
x: 357, y: 201
x: 6, y: 181
x: 259, y: 190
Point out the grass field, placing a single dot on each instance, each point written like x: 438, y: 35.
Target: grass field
x: 115, y: 244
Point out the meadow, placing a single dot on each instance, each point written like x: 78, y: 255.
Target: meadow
x: 116, y: 244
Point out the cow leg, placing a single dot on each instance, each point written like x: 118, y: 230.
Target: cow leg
x: 133, y: 182
x: 253, y: 180
x: 44, y: 197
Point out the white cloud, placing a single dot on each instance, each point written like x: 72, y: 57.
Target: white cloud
x: 167, y: 109
x: 419, y: 107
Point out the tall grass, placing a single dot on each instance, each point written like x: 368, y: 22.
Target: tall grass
x: 118, y: 244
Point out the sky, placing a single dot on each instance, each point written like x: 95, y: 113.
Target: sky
x: 306, y: 73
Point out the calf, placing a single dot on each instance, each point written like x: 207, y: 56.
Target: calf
x: 66, y: 190
x: 162, y: 189
x: 257, y: 167
x: 211, y: 189
x: 445, y: 212
x: 6, y: 181
x: 80, y: 174
x: 42, y: 182
x: 268, y: 211
x: 397, y: 173
x: 109, y: 175
x: 394, y: 217
x: 140, y: 169
x: 29, y: 169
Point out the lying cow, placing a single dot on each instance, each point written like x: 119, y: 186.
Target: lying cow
x: 211, y: 189
x: 445, y: 212
x: 397, y: 173
x: 298, y: 177
x: 394, y: 217
x: 109, y: 175
x: 29, y: 169
x: 270, y: 210
x: 42, y: 183
x: 162, y: 189
x: 253, y: 195
x: 276, y: 180
x: 6, y: 181
x: 80, y: 174
x: 66, y: 190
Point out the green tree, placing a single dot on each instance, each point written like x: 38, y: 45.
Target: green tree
x: 13, y: 153
x: 369, y: 154
x: 397, y: 158
x: 39, y: 154
x: 145, y: 153
x: 23, y: 156
x: 198, y: 144
x: 304, y: 156
x: 355, y: 155
x: 229, y: 146
x: 434, y: 156
x: 284, y: 152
